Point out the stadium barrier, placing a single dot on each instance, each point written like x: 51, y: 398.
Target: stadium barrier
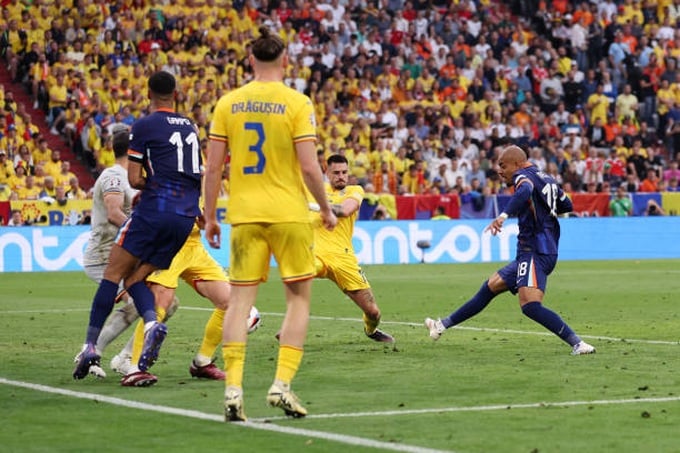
x: 39, y: 249
x: 417, y: 207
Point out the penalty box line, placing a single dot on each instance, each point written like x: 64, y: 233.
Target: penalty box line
x: 259, y: 424
x: 493, y: 407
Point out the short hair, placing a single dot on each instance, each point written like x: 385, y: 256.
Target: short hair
x: 162, y: 83
x: 268, y: 47
x: 336, y: 159
x: 121, y: 142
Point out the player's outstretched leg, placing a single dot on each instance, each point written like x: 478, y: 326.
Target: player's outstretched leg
x: 554, y: 323
x: 366, y: 301
x: 435, y: 327
x: 582, y: 348
x: 380, y: 336
x: 466, y: 311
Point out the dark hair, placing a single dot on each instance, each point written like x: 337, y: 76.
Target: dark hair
x: 268, y: 47
x: 162, y: 83
x: 336, y: 159
x: 120, y: 142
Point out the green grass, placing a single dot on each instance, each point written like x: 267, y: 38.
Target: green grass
x: 463, y: 393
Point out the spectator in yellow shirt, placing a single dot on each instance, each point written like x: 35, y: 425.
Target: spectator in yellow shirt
x: 598, y: 105
x: 30, y: 191
x: 53, y: 166
x: 64, y: 177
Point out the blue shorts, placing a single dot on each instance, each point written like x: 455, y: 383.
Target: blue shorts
x: 529, y: 270
x: 155, y: 238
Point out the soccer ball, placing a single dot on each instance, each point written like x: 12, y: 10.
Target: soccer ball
x: 254, y: 320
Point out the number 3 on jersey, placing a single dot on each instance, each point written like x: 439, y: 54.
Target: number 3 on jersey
x: 257, y: 149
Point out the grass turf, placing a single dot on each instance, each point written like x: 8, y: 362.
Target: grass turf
x: 499, y: 382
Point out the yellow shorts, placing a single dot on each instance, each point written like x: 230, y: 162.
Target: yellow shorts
x: 343, y: 270
x: 252, y: 245
x: 192, y: 263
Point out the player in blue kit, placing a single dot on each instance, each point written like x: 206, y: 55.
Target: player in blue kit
x: 165, y: 165
x: 536, y: 202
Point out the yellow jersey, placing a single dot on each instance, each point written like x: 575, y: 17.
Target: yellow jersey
x: 261, y: 123
x: 340, y: 239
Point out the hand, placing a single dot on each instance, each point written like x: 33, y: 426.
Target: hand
x: 329, y: 219
x: 200, y: 221
x: 136, y: 198
x: 495, y: 226
x: 213, y: 233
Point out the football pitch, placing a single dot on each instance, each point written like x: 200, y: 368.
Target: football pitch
x: 497, y: 383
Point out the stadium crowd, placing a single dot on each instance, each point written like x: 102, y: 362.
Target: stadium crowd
x: 419, y: 95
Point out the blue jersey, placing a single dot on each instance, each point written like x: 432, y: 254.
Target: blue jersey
x: 539, y: 230
x: 167, y: 145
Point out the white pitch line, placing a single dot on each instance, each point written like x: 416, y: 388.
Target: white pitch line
x: 477, y: 329
x: 395, y: 323
x: 262, y: 425
x: 494, y: 407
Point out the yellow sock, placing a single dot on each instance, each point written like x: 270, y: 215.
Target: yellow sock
x: 370, y: 325
x: 288, y: 363
x: 138, y: 343
x: 212, y: 336
x: 161, y: 315
x: 234, y: 355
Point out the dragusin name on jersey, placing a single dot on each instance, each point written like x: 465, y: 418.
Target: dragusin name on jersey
x: 258, y: 107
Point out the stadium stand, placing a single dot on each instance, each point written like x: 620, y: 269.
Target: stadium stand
x: 590, y: 89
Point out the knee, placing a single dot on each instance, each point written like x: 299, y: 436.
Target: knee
x: 529, y: 310
x: 496, y: 284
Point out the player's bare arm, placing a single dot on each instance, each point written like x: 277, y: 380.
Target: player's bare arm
x: 347, y: 208
x: 136, y: 175
x: 311, y: 173
x: 216, y: 153
x: 114, y: 202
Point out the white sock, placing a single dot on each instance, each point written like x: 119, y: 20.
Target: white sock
x: 115, y: 325
x: 127, y: 349
x: 201, y: 360
x: 149, y: 325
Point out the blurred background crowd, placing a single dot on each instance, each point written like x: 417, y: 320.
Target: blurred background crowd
x: 419, y: 95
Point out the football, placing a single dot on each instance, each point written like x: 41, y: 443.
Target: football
x: 254, y: 320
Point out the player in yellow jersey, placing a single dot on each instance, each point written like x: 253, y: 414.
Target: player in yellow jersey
x: 198, y: 269
x: 334, y: 252
x: 270, y: 131
x: 113, y: 201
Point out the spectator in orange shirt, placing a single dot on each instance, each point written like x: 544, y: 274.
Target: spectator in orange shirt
x: 385, y: 179
x: 650, y: 183
x: 612, y: 129
x: 448, y: 70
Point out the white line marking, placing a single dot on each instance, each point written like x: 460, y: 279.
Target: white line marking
x: 395, y: 323
x: 261, y: 425
x: 493, y: 407
x: 51, y: 310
